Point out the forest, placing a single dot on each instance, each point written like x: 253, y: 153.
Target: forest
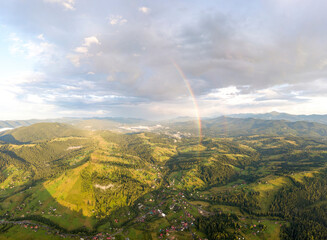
x: 152, y: 185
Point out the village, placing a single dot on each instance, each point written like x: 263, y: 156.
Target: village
x: 169, y: 207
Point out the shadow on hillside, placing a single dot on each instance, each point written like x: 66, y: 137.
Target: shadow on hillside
x: 186, y: 160
x: 8, y: 138
x: 13, y: 155
x: 37, y: 204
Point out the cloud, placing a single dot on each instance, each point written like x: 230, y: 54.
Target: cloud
x: 67, y: 4
x: 257, y: 56
x: 117, y: 20
x: 90, y: 40
x: 144, y: 10
x: 36, y: 49
x: 74, y: 59
x: 41, y: 37
x: 87, y: 43
x: 17, y: 103
x: 83, y: 50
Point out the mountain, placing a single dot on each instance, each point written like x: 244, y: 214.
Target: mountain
x: 84, y: 123
x: 58, y: 181
x: 283, y: 116
x: 18, y: 123
x: 97, y: 124
x: 123, y: 120
x: 40, y: 132
x: 10, y: 124
x: 109, y: 123
x: 227, y: 126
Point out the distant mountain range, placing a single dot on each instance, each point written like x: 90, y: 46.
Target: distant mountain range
x: 227, y: 126
x: 283, y: 116
x: 273, y: 123
x: 121, y: 120
x: 97, y: 123
x: 18, y: 123
x: 40, y: 131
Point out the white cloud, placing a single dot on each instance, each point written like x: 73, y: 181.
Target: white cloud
x: 144, y: 10
x: 223, y: 93
x: 17, y: 103
x: 83, y: 50
x: 42, y: 52
x: 41, y: 37
x: 33, y: 49
x: 33, y: 98
x: 117, y: 20
x: 90, y: 40
x: 101, y: 112
x: 75, y: 59
x: 72, y: 88
x: 22, y: 77
x: 67, y: 4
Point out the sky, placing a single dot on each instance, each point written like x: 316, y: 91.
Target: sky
x: 161, y: 59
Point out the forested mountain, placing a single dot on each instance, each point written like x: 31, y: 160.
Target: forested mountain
x: 87, y: 123
x: 40, y: 131
x: 241, y: 125
x: 14, y: 124
x: 68, y: 182
x: 283, y: 116
x: 117, y: 124
x: 226, y: 126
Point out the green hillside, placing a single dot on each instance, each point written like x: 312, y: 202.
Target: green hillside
x: 284, y: 116
x: 40, y: 132
x: 14, y: 124
x: 97, y: 124
x: 100, y: 184
x: 226, y: 126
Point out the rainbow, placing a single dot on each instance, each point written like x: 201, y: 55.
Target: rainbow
x: 195, y: 103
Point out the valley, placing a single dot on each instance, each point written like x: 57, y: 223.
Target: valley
x: 163, y: 120
x: 59, y: 181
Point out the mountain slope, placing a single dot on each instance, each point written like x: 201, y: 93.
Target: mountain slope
x: 126, y: 185
x: 283, y: 116
x: 97, y: 124
x: 226, y: 126
x: 18, y: 123
x: 40, y: 132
